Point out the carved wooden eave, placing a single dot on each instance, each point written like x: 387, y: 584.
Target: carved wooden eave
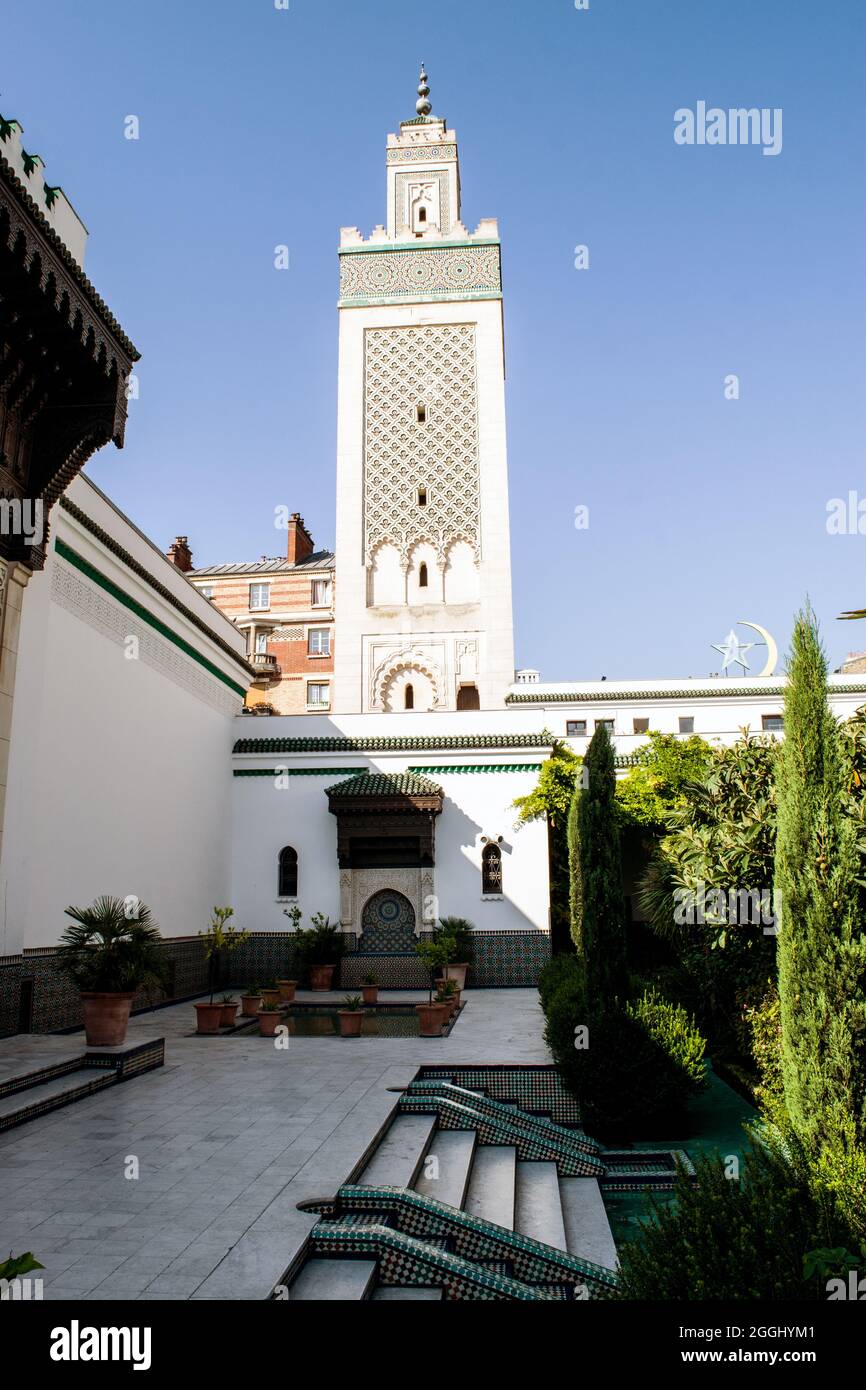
x: 387, y: 806
x: 64, y: 366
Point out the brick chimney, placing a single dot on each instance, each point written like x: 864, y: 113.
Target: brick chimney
x: 179, y: 554
x: 300, y: 541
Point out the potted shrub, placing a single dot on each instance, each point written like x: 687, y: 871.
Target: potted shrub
x: 287, y: 990
x: 229, y: 1011
x: 455, y: 933
x: 109, y: 954
x: 321, y: 946
x: 269, y: 1015
x: 270, y: 995
x: 448, y: 994
x: 251, y: 1002
x: 431, y: 1016
x: 220, y: 938
x: 288, y: 985
x: 351, y: 1016
x: 370, y: 989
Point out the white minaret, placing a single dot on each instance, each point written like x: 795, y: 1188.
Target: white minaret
x: 423, y: 595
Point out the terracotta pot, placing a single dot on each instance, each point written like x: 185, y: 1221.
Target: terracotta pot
x: 268, y: 1023
x: 250, y: 1005
x: 271, y: 996
x: 370, y: 993
x: 321, y: 976
x: 287, y: 990
x: 229, y: 1015
x: 457, y: 973
x: 449, y: 1006
x: 208, y: 1017
x: 350, y: 1022
x: 106, y: 1018
x: 431, y: 1018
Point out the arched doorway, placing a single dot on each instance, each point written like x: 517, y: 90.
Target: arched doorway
x: 388, y: 923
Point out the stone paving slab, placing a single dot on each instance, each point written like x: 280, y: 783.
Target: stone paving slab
x: 228, y: 1137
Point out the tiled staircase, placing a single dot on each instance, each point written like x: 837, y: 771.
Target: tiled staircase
x: 29, y: 1092
x: 470, y: 1195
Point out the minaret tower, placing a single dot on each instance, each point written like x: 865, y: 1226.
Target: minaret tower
x: 423, y: 615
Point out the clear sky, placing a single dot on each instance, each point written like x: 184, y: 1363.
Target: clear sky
x: 261, y: 126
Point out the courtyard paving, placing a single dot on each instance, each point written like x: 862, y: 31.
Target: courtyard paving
x: 228, y: 1137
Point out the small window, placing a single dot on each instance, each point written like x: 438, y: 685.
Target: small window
x: 605, y: 723
x: 260, y: 596
x: 319, y: 641
x: 575, y: 728
x: 641, y: 726
x: 772, y: 723
x: 288, y: 877
x: 422, y: 214
x: 261, y: 643
x: 491, y: 871
x: 687, y: 724
x: 421, y: 414
x: 318, y: 695
x: 206, y: 590
x: 422, y: 497
x: 321, y: 595
x: 422, y: 576
x: 409, y: 702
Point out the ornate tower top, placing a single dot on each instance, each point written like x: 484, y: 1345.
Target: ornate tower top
x: 422, y: 106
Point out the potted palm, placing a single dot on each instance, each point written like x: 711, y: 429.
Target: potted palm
x: 110, y: 950
x: 456, y: 934
x: 229, y: 1006
x: 370, y: 989
x: 431, y: 1016
x: 269, y: 1016
x: 321, y: 946
x: 251, y: 1002
x: 351, y: 1016
x: 220, y: 939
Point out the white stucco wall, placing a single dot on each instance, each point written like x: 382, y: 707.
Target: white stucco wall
x: 119, y: 775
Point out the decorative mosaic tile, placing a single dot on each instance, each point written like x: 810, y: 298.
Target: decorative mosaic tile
x: 533, y: 1142
x: 535, y: 1088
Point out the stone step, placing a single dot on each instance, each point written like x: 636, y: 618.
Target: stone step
x: 35, y: 1101
x: 398, y: 1159
x: 537, y: 1204
x: 490, y: 1194
x: 407, y: 1295
x: 587, y: 1228
x: 329, y: 1281
x: 447, y: 1182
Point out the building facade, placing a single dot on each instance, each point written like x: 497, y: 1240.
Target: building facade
x: 285, y: 610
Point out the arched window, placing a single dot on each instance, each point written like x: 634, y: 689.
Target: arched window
x: 467, y: 697
x: 422, y: 576
x: 410, y: 697
x: 288, y: 884
x: 422, y: 214
x: 491, y: 870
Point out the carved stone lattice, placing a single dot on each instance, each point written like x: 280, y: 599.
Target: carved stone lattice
x: 434, y: 364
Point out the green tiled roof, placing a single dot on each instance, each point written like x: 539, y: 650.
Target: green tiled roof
x: 386, y: 784
x: 415, y: 744
x: 582, y: 697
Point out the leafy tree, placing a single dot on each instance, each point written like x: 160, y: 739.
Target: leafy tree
x: 659, y: 780
x: 600, y: 905
x: 822, y: 942
x: 551, y: 798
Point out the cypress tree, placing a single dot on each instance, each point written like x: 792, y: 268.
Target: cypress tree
x: 601, y: 920
x: 822, y: 943
x: 575, y: 889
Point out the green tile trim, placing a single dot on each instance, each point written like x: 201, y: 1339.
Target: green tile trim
x: 73, y: 558
x: 370, y: 248
x: 481, y: 767
x: 413, y: 744
x: 299, y: 771
x: 580, y: 697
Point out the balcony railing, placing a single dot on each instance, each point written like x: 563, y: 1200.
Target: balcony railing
x: 266, y: 666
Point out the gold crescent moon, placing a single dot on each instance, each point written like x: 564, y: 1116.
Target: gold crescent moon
x: 772, y: 649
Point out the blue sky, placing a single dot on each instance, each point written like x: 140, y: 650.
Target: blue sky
x: 261, y: 126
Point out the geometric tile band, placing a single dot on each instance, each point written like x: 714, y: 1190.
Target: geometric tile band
x: 428, y: 273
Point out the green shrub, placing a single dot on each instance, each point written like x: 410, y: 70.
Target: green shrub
x: 561, y: 971
x: 669, y: 1025
x: 746, y: 1238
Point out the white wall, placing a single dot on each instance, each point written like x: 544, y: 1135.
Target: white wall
x: 119, y: 776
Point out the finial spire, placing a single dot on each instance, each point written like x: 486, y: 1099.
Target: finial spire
x: 422, y: 106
